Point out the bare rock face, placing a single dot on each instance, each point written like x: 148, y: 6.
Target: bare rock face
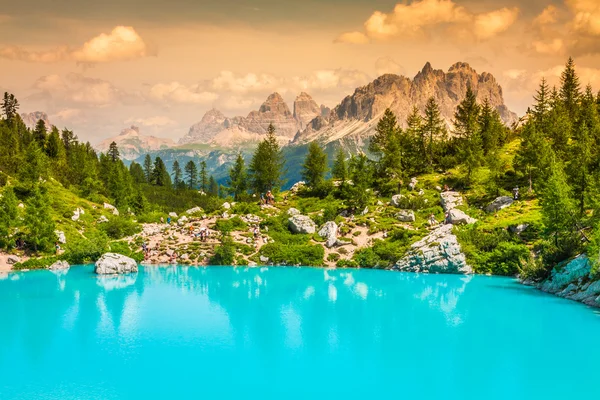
x: 357, y: 114
x: 204, y: 131
x: 329, y: 231
x: 132, y: 143
x: 302, y: 224
x: 31, y: 119
x: 305, y: 109
x: 272, y: 111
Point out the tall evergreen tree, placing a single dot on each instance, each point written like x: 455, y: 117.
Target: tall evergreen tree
x: 10, y: 106
x: 39, y: 134
x: 38, y: 222
x: 113, y: 152
x: 213, y: 187
x: 534, y: 155
x: 191, y: 173
x: 339, y: 171
x: 492, y: 129
x: 148, y: 168
x: 9, y: 213
x: 266, y: 167
x: 238, y: 178
x: 542, y: 103
x: 433, y: 129
x: 386, y: 144
x: 203, y: 177
x: 570, y: 91
x: 466, y: 123
x: 137, y: 173
x: 54, y: 145
x: 315, y: 166
x: 413, y: 143
x: 160, y: 175
x: 177, y: 175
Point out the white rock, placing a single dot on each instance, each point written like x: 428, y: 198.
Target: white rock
x: 438, y: 252
x: 252, y: 264
x: 263, y: 259
x: 396, y: 199
x: 112, y: 208
x: 60, y: 265
x: 226, y: 205
x: 302, y: 224
x: 60, y: 235
x: 450, y: 200
x: 499, y: 203
x: 406, y: 216
x: 173, y: 214
x: 21, y: 205
x: 438, y: 188
x: 102, y: 219
x: 182, y: 220
x: 413, y: 183
x: 518, y: 229
x: 329, y: 231
x: 225, y: 215
x: 185, y: 257
x: 112, y: 263
x: 293, y: 211
x: 12, y: 259
x: 297, y: 186
x: 191, y: 211
x: 458, y: 217
x: 365, y: 211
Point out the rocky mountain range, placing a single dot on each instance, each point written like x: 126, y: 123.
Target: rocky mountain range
x: 354, y: 119
x: 217, y: 129
x: 31, y: 119
x: 133, y: 144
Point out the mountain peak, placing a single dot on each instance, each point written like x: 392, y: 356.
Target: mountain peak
x: 460, y: 66
x: 31, y: 119
x: 427, y: 68
x: 132, y: 131
x: 274, y: 105
x: 213, y: 115
x: 305, y: 109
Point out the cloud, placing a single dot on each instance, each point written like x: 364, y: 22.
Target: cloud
x: 586, y: 18
x: 519, y: 81
x: 179, y: 93
x: 248, y: 83
x: 548, y: 16
x: 157, y: 121
x: 352, y: 37
x: 423, y: 17
x: 122, y: 44
x: 386, y: 65
x: 80, y: 89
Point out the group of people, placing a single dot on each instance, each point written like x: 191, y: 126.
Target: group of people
x: 268, y: 198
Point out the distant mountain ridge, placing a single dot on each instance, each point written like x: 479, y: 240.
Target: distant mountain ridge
x: 355, y: 117
x: 32, y: 118
x: 133, y: 144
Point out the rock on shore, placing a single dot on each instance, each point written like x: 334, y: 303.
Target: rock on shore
x: 112, y: 263
x: 438, y: 252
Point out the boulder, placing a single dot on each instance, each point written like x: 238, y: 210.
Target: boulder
x: 225, y: 215
x: 302, y: 224
x: 102, y: 219
x: 77, y: 213
x: 21, y: 205
x: 112, y: 263
x: 182, y: 220
x: 365, y: 211
x: 293, y: 211
x: 406, y: 216
x: 112, y: 208
x: 450, y: 200
x: 499, y: 203
x: 518, y: 229
x: 413, y: 183
x: 185, y: 257
x: 173, y: 214
x: 60, y: 265
x: 12, y: 259
x: 329, y: 231
x: 438, y: 252
x: 252, y: 264
x: 458, y: 217
x: 297, y: 186
x: 226, y: 206
x: 396, y: 200
x: 263, y: 259
x: 191, y: 211
x: 60, y: 235
x: 438, y: 188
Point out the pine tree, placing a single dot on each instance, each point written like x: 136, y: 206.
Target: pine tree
x: 148, y: 168
x: 339, y: 171
x: 559, y: 129
x: 493, y: 132
x: 160, y: 175
x: 38, y: 222
x: 466, y: 123
x: 433, y: 130
x: 213, y: 187
x: 385, y: 143
x: 39, y: 134
x: 9, y: 106
x: 34, y: 166
x: 203, y: 177
x: 113, y: 152
x: 177, y: 175
x: 315, y: 166
x: 413, y: 143
x: 191, y: 173
x: 266, y: 167
x: 54, y: 144
x: 238, y: 178
x: 361, y: 174
x: 534, y: 155
x: 9, y: 213
x: 542, y: 103
x: 570, y: 90
x: 137, y: 173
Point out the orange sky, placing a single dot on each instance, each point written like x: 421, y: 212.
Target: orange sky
x: 101, y: 66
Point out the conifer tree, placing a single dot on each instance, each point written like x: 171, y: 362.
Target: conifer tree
x: 191, y: 173
x: 54, y: 145
x: 570, y: 90
x: 238, y: 178
x: 9, y: 213
x: 113, y: 152
x: 137, y: 173
x: 385, y: 143
x: 266, y: 167
x: 203, y: 177
x: 433, y: 129
x: 177, y: 175
x: 339, y: 171
x: 466, y: 122
x: 160, y: 175
x: 213, y: 187
x: 148, y: 168
x: 361, y: 174
x: 34, y: 166
x: 542, y: 103
x: 315, y: 166
x: 38, y: 222
x: 10, y: 106
x: 534, y: 155
x: 413, y: 143
x: 39, y: 134
x: 492, y: 129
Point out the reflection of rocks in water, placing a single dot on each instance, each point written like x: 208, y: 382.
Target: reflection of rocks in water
x: 444, y: 294
x: 116, y: 281
x: 3, y: 276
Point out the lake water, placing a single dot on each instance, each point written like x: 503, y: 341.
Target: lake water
x: 290, y: 333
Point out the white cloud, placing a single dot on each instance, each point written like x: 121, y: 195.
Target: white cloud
x: 179, y: 93
x: 386, y: 65
x: 251, y: 82
x: 548, y: 16
x: 122, y: 44
x: 77, y: 88
x: 422, y: 17
x: 156, y: 121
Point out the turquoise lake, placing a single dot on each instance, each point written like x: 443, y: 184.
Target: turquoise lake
x: 290, y: 333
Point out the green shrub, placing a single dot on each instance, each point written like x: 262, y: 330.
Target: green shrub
x: 118, y: 227
x: 228, y: 225
x: 347, y: 264
x: 224, y: 253
x: 243, y: 208
x: 86, y: 250
x: 333, y: 257
x: 151, y: 217
x: 303, y: 254
x: 36, y: 263
x: 125, y: 249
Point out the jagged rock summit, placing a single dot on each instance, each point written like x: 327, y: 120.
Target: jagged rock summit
x: 217, y: 129
x: 356, y: 116
x: 31, y: 119
x: 132, y: 143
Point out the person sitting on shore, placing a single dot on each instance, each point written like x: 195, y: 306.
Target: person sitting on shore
x: 270, y: 198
